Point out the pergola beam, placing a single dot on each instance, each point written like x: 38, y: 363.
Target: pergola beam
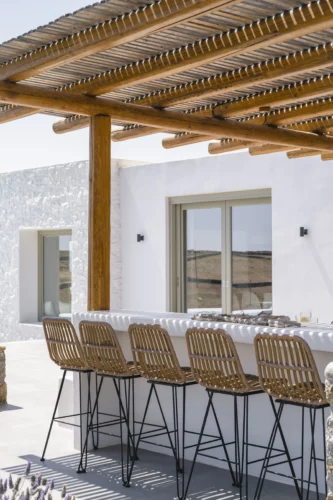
x: 280, y: 96
x: 321, y: 125
x: 49, y: 100
x: 280, y: 117
x: 111, y: 33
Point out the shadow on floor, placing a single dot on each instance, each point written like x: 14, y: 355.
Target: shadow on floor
x: 7, y: 407
x: 153, y: 478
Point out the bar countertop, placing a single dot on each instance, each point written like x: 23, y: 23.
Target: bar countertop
x: 319, y: 337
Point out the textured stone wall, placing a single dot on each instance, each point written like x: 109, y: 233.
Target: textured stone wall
x: 329, y: 430
x: 3, y: 385
x: 50, y: 198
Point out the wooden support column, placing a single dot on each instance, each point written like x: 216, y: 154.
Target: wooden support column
x: 99, y: 214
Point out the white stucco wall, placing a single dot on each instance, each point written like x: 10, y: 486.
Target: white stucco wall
x: 57, y: 197
x: 301, y: 196
x: 53, y: 197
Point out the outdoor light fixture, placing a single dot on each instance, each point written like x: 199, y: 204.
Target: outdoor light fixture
x: 139, y: 237
x: 303, y: 231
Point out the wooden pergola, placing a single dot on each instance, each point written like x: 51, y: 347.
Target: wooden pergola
x: 251, y: 74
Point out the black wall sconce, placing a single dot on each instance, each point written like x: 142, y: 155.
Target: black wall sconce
x: 139, y: 237
x: 303, y: 232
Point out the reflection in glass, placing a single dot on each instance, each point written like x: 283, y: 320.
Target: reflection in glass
x: 57, y: 275
x: 203, y: 260
x: 251, y: 257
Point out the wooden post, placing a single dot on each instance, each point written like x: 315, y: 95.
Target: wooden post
x: 99, y: 214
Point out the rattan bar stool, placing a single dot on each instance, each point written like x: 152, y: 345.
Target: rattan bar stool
x: 288, y: 374
x: 216, y: 366
x: 65, y: 350
x: 156, y: 360
x: 104, y: 355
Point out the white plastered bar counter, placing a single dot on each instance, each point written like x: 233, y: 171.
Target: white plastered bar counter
x: 319, y: 337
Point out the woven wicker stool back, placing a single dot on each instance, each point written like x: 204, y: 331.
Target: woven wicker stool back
x: 214, y: 360
x: 102, y: 349
x: 287, y: 370
x: 154, y: 355
x: 63, y: 344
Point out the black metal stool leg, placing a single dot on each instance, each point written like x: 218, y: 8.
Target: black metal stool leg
x: 180, y: 446
x: 172, y: 446
x: 324, y: 448
x: 313, y: 459
x: 202, y: 430
x: 136, y: 446
x: 124, y: 413
x: 302, y: 455
x: 95, y: 434
x: 233, y: 478
x: 268, y: 454
x: 285, y: 446
x: 175, y: 426
x: 121, y: 432
x: 237, y: 450
x: 135, y: 454
x: 53, y: 416
x: 144, y: 416
x: 81, y: 426
x: 80, y: 468
x: 245, y: 450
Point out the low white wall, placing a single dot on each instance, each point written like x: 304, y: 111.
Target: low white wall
x: 47, y: 198
x: 301, y: 196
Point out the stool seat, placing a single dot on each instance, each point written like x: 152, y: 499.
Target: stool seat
x: 169, y: 375
x: 130, y: 372
x: 218, y: 382
x: 300, y: 394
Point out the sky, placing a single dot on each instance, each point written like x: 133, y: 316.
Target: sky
x: 251, y: 228
x: 31, y: 142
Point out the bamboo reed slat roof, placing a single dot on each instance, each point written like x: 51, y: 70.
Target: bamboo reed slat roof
x: 260, y: 62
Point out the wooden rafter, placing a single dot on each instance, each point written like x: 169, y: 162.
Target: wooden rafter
x: 48, y: 100
x: 111, y: 33
x: 280, y: 96
x: 327, y: 156
x: 285, y: 26
x: 301, y: 153
x: 228, y: 145
x: 291, y: 64
x: 284, y: 116
x: 321, y: 125
x: 268, y: 149
x: 277, y: 29
x: 11, y: 113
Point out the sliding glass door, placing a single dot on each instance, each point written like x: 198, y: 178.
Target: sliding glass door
x: 203, y: 259
x: 250, y: 266
x: 224, y: 256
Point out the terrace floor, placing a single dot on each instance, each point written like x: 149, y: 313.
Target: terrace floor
x: 32, y: 381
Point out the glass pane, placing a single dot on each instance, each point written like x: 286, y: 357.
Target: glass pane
x: 251, y: 258
x: 57, y: 275
x: 203, y: 260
